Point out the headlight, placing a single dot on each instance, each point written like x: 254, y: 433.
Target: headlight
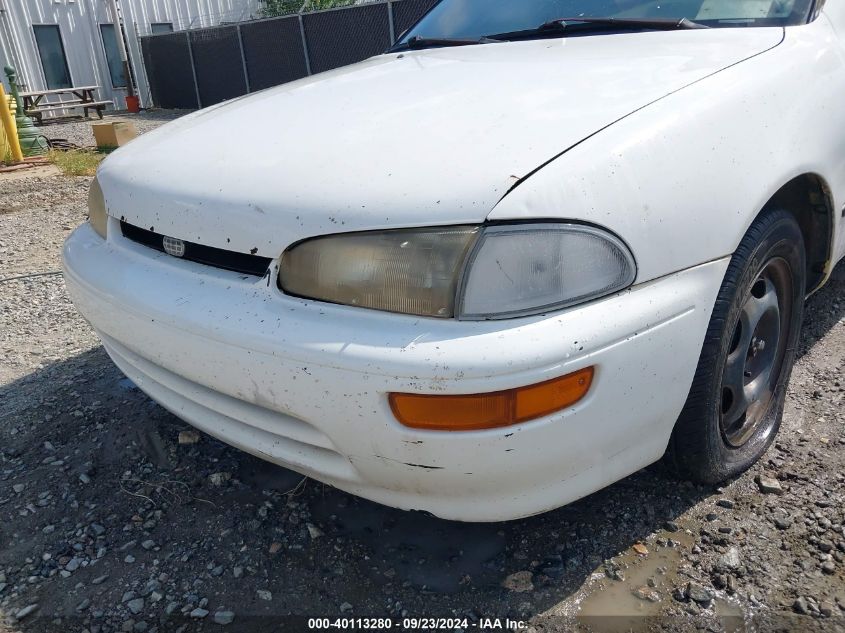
x: 97, y: 215
x: 528, y: 269
x: 469, y: 272
x: 407, y: 271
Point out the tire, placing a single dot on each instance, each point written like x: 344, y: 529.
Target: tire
x: 713, y: 440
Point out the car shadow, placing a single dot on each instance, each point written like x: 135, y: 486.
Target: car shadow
x: 210, y: 507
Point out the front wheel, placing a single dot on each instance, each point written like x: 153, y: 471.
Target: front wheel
x: 735, y: 404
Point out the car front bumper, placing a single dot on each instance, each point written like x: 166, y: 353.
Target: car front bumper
x: 304, y: 384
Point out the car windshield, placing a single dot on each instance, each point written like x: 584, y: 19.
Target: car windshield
x: 474, y: 19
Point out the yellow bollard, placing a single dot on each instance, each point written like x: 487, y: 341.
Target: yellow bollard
x: 5, y: 146
x: 9, y: 127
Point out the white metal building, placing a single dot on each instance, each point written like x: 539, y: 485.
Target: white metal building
x: 68, y: 43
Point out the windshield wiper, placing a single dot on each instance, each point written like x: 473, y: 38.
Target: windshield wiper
x: 417, y: 42
x: 559, y: 27
x: 576, y: 25
x: 667, y: 24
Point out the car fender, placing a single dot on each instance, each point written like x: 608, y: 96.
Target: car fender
x: 682, y: 179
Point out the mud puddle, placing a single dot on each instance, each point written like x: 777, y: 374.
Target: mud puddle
x: 642, y: 579
x: 629, y: 594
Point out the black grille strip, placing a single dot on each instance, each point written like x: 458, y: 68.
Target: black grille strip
x: 201, y: 254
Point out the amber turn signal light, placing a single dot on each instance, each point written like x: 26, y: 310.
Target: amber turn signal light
x: 490, y: 410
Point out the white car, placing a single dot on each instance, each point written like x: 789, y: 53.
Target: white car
x: 533, y: 248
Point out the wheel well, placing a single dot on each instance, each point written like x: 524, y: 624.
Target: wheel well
x: 807, y: 197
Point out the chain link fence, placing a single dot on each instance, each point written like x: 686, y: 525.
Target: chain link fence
x: 196, y: 69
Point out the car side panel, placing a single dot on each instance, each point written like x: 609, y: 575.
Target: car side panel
x: 834, y: 12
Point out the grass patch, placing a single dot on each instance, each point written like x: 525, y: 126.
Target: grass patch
x: 76, y: 162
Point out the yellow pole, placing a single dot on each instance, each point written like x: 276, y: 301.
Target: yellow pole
x: 10, y: 127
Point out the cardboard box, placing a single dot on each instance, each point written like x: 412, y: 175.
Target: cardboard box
x: 113, y: 134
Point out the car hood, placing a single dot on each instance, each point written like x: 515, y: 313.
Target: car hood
x: 421, y: 138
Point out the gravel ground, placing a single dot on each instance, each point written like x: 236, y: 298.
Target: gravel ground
x: 78, y: 131
x: 115, y: 516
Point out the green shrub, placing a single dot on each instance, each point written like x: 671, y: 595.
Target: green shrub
x: 273, y: 8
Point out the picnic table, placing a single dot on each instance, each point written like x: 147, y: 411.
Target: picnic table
x: 83, y: 97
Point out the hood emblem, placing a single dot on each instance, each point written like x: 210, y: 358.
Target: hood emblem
x: 173, y: 246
